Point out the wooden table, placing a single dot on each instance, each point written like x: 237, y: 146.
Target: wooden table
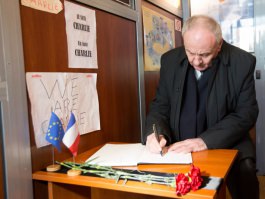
x: 215, y: 163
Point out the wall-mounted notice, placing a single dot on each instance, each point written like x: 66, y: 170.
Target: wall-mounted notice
x: 159, y: 37
x: 63, y: 93
x: 52, y: 6
x: 81, y: 36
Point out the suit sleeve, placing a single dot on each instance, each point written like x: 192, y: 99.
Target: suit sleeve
x: 160, y: 105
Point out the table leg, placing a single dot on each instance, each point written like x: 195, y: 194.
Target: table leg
x: 222, y: 191
x: 50, y: 190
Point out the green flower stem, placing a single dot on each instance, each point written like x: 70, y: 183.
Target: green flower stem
x: 116, y: 174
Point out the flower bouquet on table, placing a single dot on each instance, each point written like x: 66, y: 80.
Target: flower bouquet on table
x: 187, y: 182
x: 182, y: 182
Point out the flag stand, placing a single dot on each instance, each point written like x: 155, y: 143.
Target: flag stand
x: 73, y: 172
x: 53, y: 167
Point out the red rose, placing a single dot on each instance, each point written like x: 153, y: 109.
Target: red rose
x: 182, y: 184
x: 196, y: 179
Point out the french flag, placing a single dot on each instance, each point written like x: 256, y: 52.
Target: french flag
x: 71, y: 137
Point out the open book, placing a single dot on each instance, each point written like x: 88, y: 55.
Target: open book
x: 134, y: 154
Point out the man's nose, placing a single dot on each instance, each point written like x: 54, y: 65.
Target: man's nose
x: 197, y: 60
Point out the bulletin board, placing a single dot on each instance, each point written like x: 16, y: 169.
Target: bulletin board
x: 45, y: 50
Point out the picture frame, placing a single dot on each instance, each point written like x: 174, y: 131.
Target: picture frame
x: 128, y: 3
x: 159, y: 36
x: 172, y: 6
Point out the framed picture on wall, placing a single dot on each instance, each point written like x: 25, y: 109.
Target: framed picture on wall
x: 172, y: 6
x: 159, y: 37
x: 129, y: 3
x: 235, y: 17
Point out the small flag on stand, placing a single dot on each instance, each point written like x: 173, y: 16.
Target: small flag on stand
x: 55, y: 131
x: 72, y: 136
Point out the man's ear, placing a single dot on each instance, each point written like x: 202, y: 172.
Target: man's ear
x: 220, y: 45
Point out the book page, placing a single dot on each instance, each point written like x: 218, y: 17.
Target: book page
x: 117, y: 155
x: 168, y: 158
x: 134, y: 154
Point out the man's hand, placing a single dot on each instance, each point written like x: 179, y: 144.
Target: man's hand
x: 187, y: 146
x: 154, y: 146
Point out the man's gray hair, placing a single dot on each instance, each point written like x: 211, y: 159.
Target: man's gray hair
x: 205, y: 22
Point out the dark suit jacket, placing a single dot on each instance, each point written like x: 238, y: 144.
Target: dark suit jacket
x: 231, y: 106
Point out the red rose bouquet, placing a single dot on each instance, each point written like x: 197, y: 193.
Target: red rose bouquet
x: 190, y: 181
x: 182, y: 182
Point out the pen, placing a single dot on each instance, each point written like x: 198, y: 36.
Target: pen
x: 157, y: 137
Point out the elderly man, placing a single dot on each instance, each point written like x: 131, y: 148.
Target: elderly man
x: 206, y: 100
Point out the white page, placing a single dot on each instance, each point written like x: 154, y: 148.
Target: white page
x: 134, y: 154
x: 168, y: 158
x: 117, y: 155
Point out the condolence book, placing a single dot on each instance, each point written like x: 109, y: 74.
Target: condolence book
x: 134, y: 154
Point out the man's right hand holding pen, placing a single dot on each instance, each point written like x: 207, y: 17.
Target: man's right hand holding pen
x: 156, y: 143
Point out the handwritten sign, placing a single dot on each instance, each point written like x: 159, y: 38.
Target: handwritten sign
x: 52, y: 6
x: 63, y: 93
x: 81, y: 36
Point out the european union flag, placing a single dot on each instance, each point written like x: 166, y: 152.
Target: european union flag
x: 55, y: 131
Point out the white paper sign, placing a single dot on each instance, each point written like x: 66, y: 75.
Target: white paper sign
x: 63, y: 93
x: 81, y: 36
x: 52, y: 6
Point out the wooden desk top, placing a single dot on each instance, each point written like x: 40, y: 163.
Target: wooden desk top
x: 211, y: 163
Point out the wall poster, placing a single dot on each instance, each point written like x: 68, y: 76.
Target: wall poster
x: 81, y: 36
x: 51, y: 6
x: 63, y: 93
x: 159, y: 37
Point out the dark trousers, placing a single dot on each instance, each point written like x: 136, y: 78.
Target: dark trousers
x: 242, y: 180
